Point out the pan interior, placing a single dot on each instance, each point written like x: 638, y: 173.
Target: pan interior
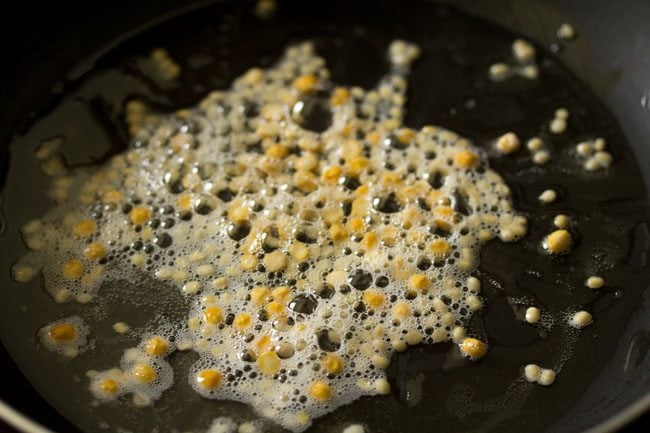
x: 449, y: 87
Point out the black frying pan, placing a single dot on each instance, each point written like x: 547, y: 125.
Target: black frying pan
x: 44, y: 45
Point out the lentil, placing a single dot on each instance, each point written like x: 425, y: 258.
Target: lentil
x: 581, y: 319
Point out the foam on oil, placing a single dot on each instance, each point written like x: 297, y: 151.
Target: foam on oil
x: 313, y: 245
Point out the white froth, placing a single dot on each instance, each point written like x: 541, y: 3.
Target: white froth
x: 68, y: 336
x: 311, y: 256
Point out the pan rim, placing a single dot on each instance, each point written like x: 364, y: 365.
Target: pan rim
x: 623, y: 417
x: 19, y: 420
x: 631, y: 412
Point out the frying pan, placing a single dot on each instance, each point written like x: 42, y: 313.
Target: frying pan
x: 50, y: 46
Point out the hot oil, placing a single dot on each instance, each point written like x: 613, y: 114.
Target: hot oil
x: 449, y: 87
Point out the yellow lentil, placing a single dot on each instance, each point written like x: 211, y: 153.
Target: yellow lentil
x: 63, y: 332
x: 320, y: 390
x: 157, y: 346
x: 208, y: 379
x: 73, y: 269
x: 558, y: 242
x: 144, y: 373
x: 473, y: 348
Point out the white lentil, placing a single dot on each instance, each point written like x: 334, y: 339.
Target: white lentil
x: 184, y: 345
x: 530, y: 72
x: 594, y: 282
x: 382, y: 386
x: 532, y: 372
x: 62, y: 295
x: 547, y: 196
x: 140, y: 400
x: 532, y: 314
x: 458, y: 333
x: 561, y: 221
x: 547, y: 377
x: 35, y: 244
x: 541, y: 157
x: 377, y: 344
x: 413, y: 338
x: 558, y: 125
x: 562, y: 113
x: 566, y: 32
x: 354, y: 428
x: 205, y: 270
x: 121, y: 327
x: 138, y: 259
x: 591, y: 165
x: 581, y: 319
x: 197, y: 256
x: 165, y: 64
x: 179, y: 275
x: 247, y: 427
x: 600, y: 159
x: 402, y: 53
x: 535, y: 144
x: 399, y: 345
x: 84, y: 298
x: 220, y: 283
x: 603, y: 158
x: 594, y: 154
x: 474, y: 303
x: 222, y: 425
x: 508, y: 143
x: 523, y: 51
x: 32, y: 227
x: 439, y: 335
x: 191, y: 287
x: 164, y: 273
x: 264, y: 9
x: 499, y: 71
x: 22, y: 273
x: 584, y: 149
x: 380, y: 361
x: 474, y: 284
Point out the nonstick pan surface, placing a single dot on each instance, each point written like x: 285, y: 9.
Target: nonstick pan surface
x: 609, y: 371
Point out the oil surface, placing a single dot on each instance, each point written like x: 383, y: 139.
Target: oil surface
x: 449, y: 87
